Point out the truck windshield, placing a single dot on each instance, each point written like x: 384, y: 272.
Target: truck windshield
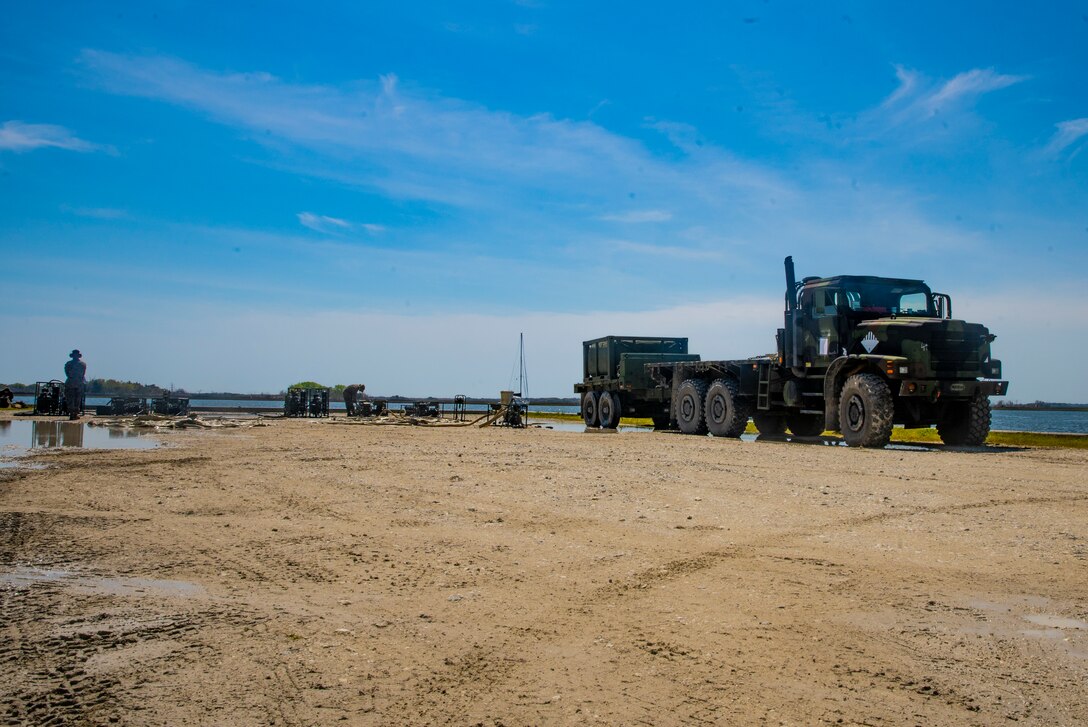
x: 888, y: 300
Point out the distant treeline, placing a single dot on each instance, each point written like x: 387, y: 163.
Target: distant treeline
x: 1040, y: 406
x: 106, y: 387
x: 113, y: 387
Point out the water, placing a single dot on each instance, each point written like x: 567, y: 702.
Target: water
x: 1071, y: 422
x: 1018, y: 420
x: 17, y: 438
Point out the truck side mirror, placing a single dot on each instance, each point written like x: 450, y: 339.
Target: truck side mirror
x: 943, y: 305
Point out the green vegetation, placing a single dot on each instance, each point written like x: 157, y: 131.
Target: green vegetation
x: 106, y: 387
x: 307, y: 385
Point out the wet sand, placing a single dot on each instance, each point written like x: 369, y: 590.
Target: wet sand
x: 313, y: 573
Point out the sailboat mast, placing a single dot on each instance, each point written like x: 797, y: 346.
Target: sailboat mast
x: 522, y: 373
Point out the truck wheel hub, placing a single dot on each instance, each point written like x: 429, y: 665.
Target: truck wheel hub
x: 855, y: 413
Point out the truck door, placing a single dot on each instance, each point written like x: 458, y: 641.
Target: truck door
x: 823, y: 339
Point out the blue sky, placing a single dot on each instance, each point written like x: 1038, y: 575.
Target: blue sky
x: 242, y: 197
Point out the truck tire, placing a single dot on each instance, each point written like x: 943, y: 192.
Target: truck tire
x: 589, y: 409
x: 805, y: 425
x: 866, y: 411
x: 726, y: 412
x: 690, y: 401
x: 770, y: 425
x: 609, y: 409
x: 966, y: 422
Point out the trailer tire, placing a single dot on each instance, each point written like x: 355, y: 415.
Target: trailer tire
x: 866, y: 411
x: 805, y: 425
x: 769, y: 424
x: 609, y: 409
x: 726, y: 412
x: 966, y: 423
x: 590, y: 413
x: 690, y: 402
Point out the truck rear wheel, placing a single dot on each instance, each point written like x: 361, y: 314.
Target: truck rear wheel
x: 609, y: 409
x: 726, y: 413
x: 769, y: 424
x: 805, y: 425
x: 866, y: 411
x: 589, y: 409
x: 690, y: 401
x: 966, y: 422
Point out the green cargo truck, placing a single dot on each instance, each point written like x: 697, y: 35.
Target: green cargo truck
x: 858, y: 354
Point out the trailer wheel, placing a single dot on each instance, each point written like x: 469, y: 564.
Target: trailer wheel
x: 690, y: 400
x: 726, y: 412
x: 866, y: 411
x: 589, y: 409
x: 769, y: 424
x: 805, y: 425
x: 966, y: 422
x: 609, y: 409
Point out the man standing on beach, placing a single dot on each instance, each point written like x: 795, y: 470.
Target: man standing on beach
x: 352, y: 394
x: 75, y: 373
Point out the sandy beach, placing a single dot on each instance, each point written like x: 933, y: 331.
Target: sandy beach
x: 310, y: 573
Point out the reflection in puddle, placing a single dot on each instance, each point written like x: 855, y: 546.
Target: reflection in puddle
x: 18, y: 437
x: 24, y: 577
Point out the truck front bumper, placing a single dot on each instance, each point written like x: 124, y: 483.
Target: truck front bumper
x: 931, y: 389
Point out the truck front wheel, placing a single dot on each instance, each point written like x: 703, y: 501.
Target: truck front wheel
x: 966, y: 422
x: 726, y: 413
x: 589, y: 409
x: 609, y: 410
x: 866, y: 411
x: 690, y: 400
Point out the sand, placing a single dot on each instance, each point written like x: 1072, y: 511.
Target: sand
x: 307, y: 573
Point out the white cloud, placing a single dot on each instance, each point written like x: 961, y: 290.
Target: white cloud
x: 96, y: 213
x: 331, y: 225
x: 418, y: 144
x: 21, y: 137
x: 1067, y: 134
x: 637, y: 216
x: 918, y: 102
x: 968, y: 85
x: 671, y: 251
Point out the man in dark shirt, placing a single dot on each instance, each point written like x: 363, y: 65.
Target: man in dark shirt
x: 352, y: 395
x: 75, y: 373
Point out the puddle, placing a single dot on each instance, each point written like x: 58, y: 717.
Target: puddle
x: 24, y: 577
x: 580, y: 427
x: 1056, y: 622
x: 19, y: 437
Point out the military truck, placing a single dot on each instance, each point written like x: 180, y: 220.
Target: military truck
x: 858, y: 354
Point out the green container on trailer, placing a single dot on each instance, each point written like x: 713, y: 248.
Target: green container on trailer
x: 602, y: 357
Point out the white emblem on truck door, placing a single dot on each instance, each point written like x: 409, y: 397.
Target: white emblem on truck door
x: 869, y: 342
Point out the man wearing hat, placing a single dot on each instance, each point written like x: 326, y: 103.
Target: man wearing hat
x: 75, y: 373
